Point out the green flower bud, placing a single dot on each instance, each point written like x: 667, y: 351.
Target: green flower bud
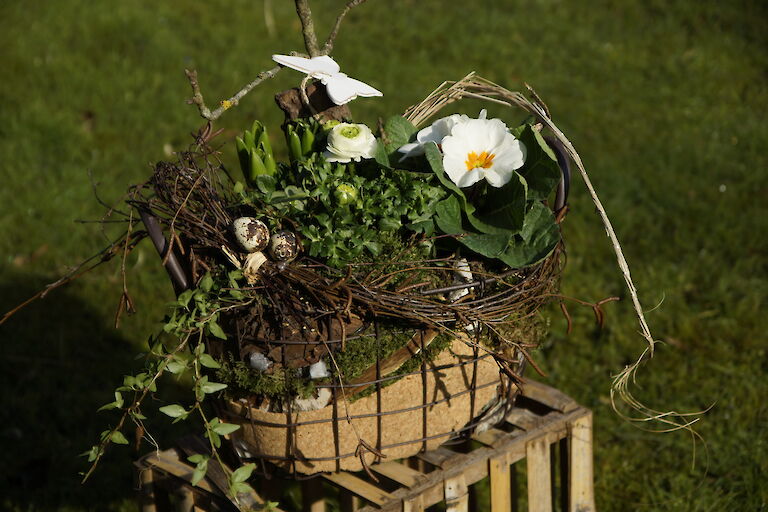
x: 294, y: 146
x: 263, y: 142
x: 307, y: 140
x: 257, y: 168
x: 345, y: 194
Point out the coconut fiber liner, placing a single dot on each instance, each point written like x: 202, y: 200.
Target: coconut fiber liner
x: 418, y: 412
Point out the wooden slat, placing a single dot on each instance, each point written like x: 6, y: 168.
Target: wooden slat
x: 441, y: 457
x: 501, y: 485
x: 168, y: 461
x: 312, y: 496
x: 539, y: 482
x: 186, y: 501
x: 147, y: 490
x: 348, y: 502
x: 456, y: 494
x: 490, y: 437
x: 414, y: 505
x: 580, y: 470
x: 523, y: 418
x: 399, y: 473
x: 551, y: 397
x: 368, y: 492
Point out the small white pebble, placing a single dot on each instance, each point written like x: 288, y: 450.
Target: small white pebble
x: 318, y: 370
x: 259, y: 361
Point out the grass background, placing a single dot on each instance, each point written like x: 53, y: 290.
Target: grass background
x: 665, y: 101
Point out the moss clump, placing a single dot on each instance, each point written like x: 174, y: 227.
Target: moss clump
x: 360, y: 354
x: 244, y: 380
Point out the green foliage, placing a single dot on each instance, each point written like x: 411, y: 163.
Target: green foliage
x: 344, y: 210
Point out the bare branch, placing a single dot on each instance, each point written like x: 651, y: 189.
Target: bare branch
x: 328, y: 46
x: 307, y: 27
x: 197, y: 97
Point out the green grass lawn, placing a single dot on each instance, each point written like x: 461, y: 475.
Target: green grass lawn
x: 665, y: 101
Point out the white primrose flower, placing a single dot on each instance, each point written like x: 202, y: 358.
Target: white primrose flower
x: 435, y: 132
x: 482, y: 148
x: 348, y: 142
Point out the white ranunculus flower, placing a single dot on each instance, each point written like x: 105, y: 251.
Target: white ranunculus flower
x: 347, y: 141
x: 482, y: 148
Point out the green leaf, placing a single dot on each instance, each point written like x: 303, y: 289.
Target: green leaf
x: 504, y: 209
x: 216, y: 330
x: 239, y: 488
x: 448, y: 216
x: 174, y: 410
x: 266, y: 183
x: 489, y: 245
x: 435, y: 159
x: 225, y: 428
x: 185, y: 297
x: 212, y: 387
x: 238, y: 188
x: 118, y: 438
x: 540, y: 170
x: 197, y: 458
x: 537, y: 239
x: 242, y: 473
x: 206, y: 283
x: 381, y: 156
x: 209, y: 362
x: 176, y: 366
x: 199, y: 473
x: 398, y: 131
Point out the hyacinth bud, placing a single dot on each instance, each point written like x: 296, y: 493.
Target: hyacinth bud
x: 294, y: 143
x: 255, y: 153
x: 345, y: 194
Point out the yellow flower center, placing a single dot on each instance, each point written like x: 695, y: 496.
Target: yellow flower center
x: 483, y: 160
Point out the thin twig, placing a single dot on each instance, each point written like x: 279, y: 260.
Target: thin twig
x: 197, y: 96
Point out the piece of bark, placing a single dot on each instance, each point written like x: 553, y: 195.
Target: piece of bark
x: 290, y: 102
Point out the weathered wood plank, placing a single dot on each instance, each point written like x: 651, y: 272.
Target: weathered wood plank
x: 539, y: 480
x: 312, y: 495
x: 490, y: 437
x: 580, y: 470
x: 441, y: 457
x: 524, y: 419
x: 456, y: 494
x: 399, y: 473
x: 501, y: 488
x: 147, y: 490
x: 359, y: 487
x: 415, y: 504
x: 551, y: 397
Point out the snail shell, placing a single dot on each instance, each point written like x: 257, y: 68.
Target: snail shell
x: 283, y: 246
x: 251, y: 234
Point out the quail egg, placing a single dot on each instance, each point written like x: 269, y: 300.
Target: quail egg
x: 252, y: 234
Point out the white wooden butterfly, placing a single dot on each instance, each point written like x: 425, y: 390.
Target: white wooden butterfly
x: 341, y: 88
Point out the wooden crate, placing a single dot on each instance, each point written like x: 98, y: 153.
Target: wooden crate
x: 544, y: 423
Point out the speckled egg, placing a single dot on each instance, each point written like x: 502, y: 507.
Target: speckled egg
x: 283, y: 246
x: 251, y: 234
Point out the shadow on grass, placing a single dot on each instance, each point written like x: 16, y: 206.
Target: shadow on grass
x: 59, y: 364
